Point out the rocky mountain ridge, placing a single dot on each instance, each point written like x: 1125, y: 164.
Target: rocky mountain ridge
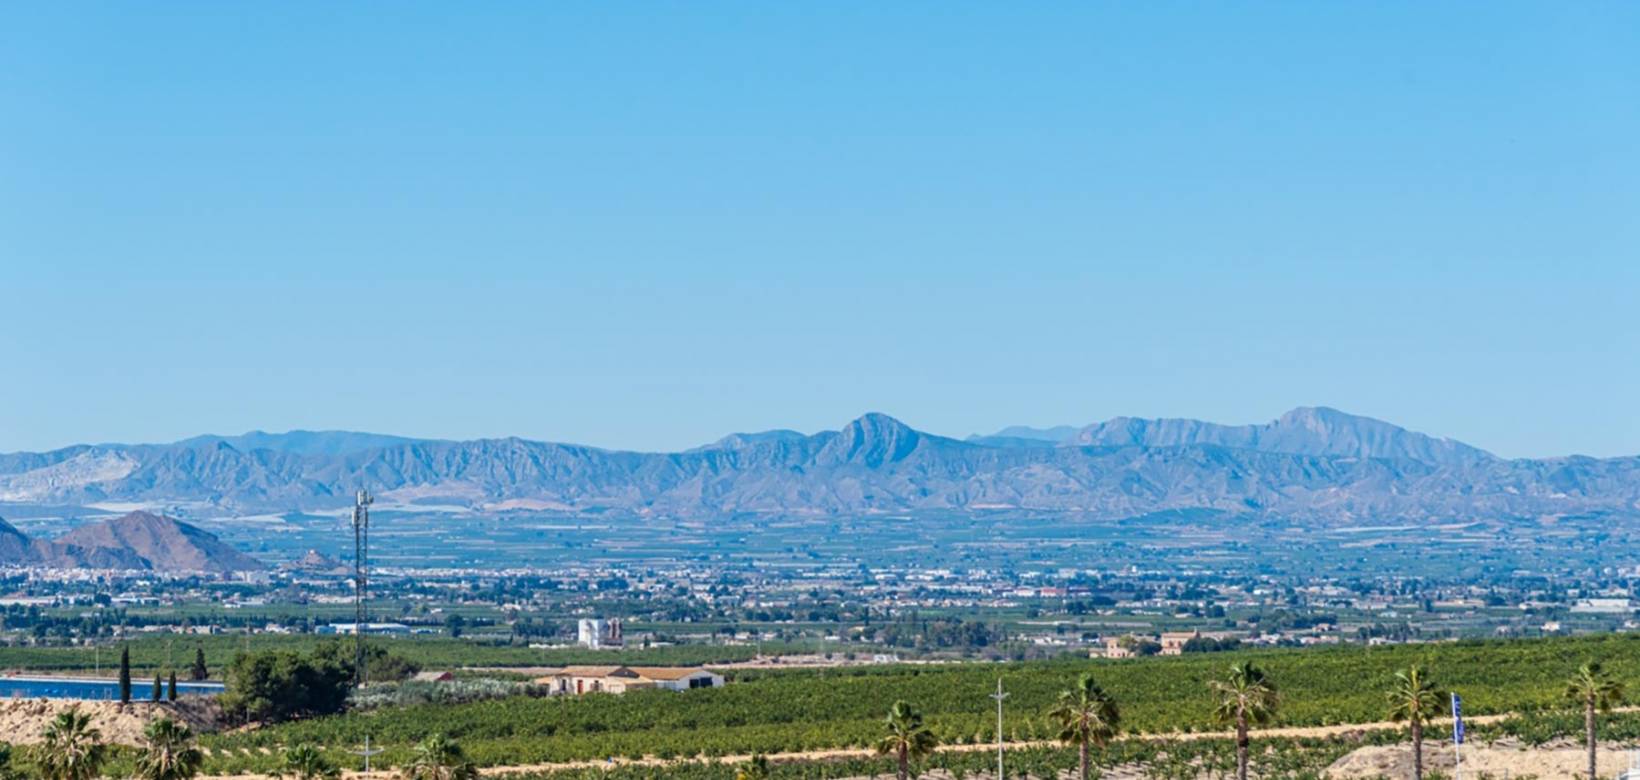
x: 1311, y: 463
x: 1308, y: 430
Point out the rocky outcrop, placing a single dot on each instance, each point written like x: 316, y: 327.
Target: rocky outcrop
x: 136, y: 541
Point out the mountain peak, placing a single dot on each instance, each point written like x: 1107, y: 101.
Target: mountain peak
x: 1320, y: 416
x: 1306, y: 430
x: 1314, y: 412
x: 735, y: 441
x: 879, y: 422
x: 299, y: 442
x: 872, y: 440
x: 141, y: 518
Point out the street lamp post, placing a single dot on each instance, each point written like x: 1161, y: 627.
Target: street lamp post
x: 367, y: 752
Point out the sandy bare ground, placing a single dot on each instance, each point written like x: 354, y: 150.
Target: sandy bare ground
x: 1562, y: 759
x: 23, y: 720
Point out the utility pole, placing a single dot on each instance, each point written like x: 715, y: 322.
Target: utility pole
x: 999, y: 696
x: 1457, y: 736
x: 361, y: 550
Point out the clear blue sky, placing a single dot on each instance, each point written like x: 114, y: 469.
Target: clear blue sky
x: 645, y: 225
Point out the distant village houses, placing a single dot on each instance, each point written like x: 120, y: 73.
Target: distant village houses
x: 579, y: 680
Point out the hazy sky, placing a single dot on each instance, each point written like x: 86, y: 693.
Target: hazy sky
x: 646, y: 225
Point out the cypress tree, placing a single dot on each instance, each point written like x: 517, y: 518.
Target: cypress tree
x: 199, y: 672
x: 125, y: 675
x: 159, y: 688
x: 171, y: 693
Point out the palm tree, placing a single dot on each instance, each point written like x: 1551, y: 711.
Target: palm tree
x: 71, y: 748
x: 1597, y: 691
x: 907, y: 738
x: 1245, y: 697
x: 7, y: 771
x: 755, y: 769
x: 1087, y: 717
x: 306, y: 762
x: 439, y: 758
x: 1414, y: 699
x: 168, y: 752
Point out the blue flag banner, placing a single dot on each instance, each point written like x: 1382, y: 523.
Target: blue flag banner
x: 1457, y: 720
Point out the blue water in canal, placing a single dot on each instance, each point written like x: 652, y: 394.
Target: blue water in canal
x: 90, y: 689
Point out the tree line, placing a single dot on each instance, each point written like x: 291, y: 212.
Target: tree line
x: 197, y: 671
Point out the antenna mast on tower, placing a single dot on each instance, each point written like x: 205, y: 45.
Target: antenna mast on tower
x: 361, y: 591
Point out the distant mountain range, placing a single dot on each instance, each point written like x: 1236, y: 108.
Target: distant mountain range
x: 139, y: 541
x: 1304, y: 431
x: 1313, y: 463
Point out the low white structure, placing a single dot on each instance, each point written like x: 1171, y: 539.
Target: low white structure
x: 394, y: 629
x: 1602, y: 607
x: 1633, y: 772
x: 578, y: 680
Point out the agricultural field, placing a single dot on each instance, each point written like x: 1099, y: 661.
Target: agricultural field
x: 790, y: 711
x: 1163, y: 760
x: 158, y: 653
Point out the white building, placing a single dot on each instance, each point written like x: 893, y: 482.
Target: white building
x: 594, y: 632
x: 389, y: 629
x: 577, y: 680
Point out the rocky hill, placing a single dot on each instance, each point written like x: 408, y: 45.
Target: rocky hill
x: 315, y: 562
x: 136, y: 541
x: 1312, y: 463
